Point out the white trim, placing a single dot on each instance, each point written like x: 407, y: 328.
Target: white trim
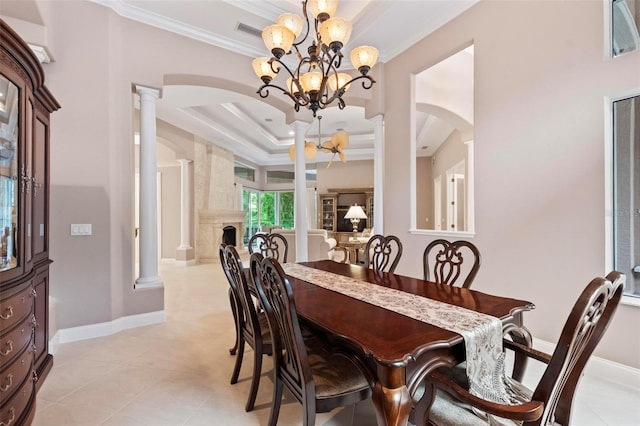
x: 102, y: 329
x: 608, y: 29
x: 601, y: 369
x: 630, y: 300
x: 456, y: 234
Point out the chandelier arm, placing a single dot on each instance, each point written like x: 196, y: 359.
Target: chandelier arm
x: 306, y: 34
x: 263, y: 91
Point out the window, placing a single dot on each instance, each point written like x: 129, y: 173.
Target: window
x: 267, y: 209
x: 286, y: 176
x: 626, y: 191
x: 244, y: 172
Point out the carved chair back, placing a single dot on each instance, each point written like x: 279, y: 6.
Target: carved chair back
x: 270, y: 245
x: 552, y: 399
x: 585, y: 326
x: 300, y: 364
x: 383, y: 253
x: 248, y: 324
x: 445, y: 262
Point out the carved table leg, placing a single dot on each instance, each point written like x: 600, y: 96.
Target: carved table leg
x: 391, y: 397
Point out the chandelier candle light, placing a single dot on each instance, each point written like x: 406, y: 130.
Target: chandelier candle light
x: 316, y: 82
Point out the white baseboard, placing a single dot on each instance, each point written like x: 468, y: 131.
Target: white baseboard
x: 91, y: 331
x: 601, y: 369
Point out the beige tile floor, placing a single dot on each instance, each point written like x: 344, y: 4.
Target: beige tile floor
x: 177, y: 372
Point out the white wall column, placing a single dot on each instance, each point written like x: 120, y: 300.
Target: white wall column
x: 184, y: 252
x: 148, y: 190
x: 378, y: 173
x: 301, y: 225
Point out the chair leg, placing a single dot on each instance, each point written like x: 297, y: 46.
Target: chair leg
x: 239, y: 356
x: 422, y: 407
x: 234, y: 311
x: 309, y: 412
x: 275, y: 404
x: 255, y: 379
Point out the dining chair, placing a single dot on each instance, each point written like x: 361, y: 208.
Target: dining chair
x: 382, y: 253
x: 551, y: 401
x: 319, y: 379
x: 270, y: 245
x: 251, y: 326
x: 233, y: 300
x: 443, y: 262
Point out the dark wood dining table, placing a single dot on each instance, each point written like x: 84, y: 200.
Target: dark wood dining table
x: 398, y: 351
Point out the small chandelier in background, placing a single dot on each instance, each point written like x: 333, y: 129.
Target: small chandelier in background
x: 336, y: 145
x: 316, y: 82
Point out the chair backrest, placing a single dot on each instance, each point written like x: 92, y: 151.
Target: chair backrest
x: 582, y: 331
x: 383, y: 253
x: 444, y: 262
x: 270, y: 245
x: 290, y: 356
x: 232, y: 266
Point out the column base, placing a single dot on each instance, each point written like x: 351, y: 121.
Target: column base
x: 185, y: 253
x: 148, y: 282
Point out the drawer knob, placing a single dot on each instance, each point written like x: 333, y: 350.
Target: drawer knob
x: 8, y: 313
x: 35, y: 376
x: 12, y: 417
x: 9, y: 384
x: 9, y: 346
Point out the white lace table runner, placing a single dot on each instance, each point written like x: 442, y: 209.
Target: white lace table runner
x: 482, y: 333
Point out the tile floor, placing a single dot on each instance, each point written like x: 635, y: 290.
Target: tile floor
x: 177, y: 373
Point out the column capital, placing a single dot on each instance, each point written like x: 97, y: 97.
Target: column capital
x: 147, y: 92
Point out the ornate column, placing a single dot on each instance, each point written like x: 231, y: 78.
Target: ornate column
x: 184, y: 252
x: 378, y: 170
x: 302, y: 250
x: 148, y: 190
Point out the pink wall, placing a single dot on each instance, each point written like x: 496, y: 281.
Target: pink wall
x: 540, y: 83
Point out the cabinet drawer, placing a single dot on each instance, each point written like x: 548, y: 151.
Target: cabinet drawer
x: 13, y: 409
x: 15, y: 341
x: 14, y: 374
x: 15, y: 308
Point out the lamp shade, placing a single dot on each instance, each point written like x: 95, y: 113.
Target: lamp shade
x: 311, y: 81
x: 335, y: 32
x: 292, y: 86
x: 338, y: 80
x: 262, y: 68
x: 278, y: 39
x: 355, y: 212
x: 364, y: 58
x: 322, y: 9
x: 292, y: 21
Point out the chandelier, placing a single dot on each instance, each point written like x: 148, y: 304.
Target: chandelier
x: 336, y: 145
x: 315, y: 82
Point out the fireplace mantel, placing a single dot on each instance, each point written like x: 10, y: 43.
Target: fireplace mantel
x: 211, y: 223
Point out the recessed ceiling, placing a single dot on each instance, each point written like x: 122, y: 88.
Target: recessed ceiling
x: 248, y: 127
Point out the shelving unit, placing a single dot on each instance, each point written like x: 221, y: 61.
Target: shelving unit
x: 327, y: 214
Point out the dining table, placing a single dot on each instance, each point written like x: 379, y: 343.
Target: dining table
x: 397, y: 351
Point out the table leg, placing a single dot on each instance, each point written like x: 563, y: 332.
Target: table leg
x: 391, y: 397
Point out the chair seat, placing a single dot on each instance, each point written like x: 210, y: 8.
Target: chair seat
x: 447, y: 411
x: 333, y: 374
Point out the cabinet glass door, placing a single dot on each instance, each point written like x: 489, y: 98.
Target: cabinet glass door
x: 9, y: 177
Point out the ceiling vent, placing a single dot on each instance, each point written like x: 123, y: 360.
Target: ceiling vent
x: 249, y: 30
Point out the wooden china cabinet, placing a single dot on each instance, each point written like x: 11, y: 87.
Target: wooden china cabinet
x: 25, y: 105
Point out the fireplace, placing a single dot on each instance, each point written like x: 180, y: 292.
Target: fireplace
x: 212, y: 231
x: 229, y: 235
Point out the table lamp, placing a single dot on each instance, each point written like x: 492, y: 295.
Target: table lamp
x: 355, y: 213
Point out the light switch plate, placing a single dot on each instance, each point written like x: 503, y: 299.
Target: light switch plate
x: 80, y: 229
